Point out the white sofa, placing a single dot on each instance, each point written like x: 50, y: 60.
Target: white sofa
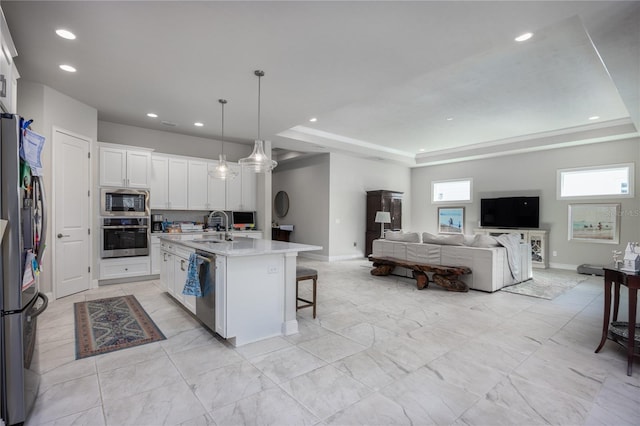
x: 489, y: 264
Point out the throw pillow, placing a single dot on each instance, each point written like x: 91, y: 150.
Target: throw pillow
x: 484, y: 241
x: 469, y: 239
x: 409, y: 237
x: 443, y: 240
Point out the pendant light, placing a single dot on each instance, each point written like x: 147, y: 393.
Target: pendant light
x: 258, y: 160
x: 222, y: 170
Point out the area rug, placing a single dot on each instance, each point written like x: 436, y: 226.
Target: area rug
x: 107, y: 325
x: 547, y: 284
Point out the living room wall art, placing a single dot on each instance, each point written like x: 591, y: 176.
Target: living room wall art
x: 594, y: 223
x: 451, y: 220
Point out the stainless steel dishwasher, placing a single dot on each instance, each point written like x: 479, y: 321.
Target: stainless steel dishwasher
x: 206, y: 305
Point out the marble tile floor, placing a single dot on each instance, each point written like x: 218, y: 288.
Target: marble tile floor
x: 380, y: 352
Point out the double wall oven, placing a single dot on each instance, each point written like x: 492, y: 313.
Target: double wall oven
x: 125, y: 224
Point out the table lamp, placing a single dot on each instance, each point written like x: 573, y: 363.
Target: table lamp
x: 382, y: 218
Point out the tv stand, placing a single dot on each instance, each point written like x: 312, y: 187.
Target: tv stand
x: 536, y: 237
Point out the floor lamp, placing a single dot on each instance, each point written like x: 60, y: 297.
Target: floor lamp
x: 382, y: 218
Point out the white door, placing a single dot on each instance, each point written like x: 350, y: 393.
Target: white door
x: 71, y: 214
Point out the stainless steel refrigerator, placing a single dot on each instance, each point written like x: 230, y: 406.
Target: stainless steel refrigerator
x: 22, y: 205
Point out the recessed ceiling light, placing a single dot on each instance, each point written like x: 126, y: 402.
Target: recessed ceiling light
x: 198, y: 124
x: 524, y: 37
x: 152, y: 115
x: 67, y: 68
x: 449, y: 118
x: 66, y: 34
x: 594, y: 117
x: 313, y: 119
x: 421, y: 150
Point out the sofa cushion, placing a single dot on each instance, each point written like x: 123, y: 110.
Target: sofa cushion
x: 409, y: 237
x: 445, y: 240
x: 484, y: 241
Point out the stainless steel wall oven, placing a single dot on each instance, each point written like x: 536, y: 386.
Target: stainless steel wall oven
x: 124, y: 237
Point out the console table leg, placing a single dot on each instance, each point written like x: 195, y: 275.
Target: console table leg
x: 607, y: 313
x: 633, y: 299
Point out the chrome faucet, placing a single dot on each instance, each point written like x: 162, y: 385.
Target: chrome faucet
x: 227, y: 235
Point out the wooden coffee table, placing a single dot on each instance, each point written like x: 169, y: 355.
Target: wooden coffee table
x: 444, y: 276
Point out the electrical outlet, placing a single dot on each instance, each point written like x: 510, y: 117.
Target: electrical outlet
x: 555, y: 253
x: 273, y: 269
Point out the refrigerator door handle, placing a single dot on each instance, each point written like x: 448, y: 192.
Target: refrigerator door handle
x: 45, y: 303
x: 45, y: 219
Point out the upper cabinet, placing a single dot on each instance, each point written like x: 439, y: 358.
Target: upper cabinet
x: 125, y: 167
x: 184, y: 183
x: 169, y: 182
x: 241, y: 191
x: 205, y: 192
x: 8, y: 71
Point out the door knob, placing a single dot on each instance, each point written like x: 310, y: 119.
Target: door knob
x: 60, y: 235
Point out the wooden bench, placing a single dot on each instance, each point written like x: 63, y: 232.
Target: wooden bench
x: 444, y: 276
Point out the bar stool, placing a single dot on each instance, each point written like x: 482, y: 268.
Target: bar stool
x: 303, y: 274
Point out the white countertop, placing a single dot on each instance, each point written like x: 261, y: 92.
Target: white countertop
x: 239, y: 247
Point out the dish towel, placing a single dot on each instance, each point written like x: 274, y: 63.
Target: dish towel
x: 192, y: 285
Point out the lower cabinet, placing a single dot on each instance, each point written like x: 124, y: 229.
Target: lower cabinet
x: 124, y: 267
x: 173, y: 273
x: 155, y: 255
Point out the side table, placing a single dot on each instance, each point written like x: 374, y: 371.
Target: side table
x: 614, y: 276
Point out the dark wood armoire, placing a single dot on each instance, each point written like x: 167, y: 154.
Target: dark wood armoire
x: 386, y: 201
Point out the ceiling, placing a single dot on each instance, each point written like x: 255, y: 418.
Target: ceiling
x: 414, y: 82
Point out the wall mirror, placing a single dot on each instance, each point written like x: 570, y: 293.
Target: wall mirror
x: 281, y: 204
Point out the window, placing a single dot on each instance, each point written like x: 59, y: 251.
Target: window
x: 446, y: 191
x: 614, y: 181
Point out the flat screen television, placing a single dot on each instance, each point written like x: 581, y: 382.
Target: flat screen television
x: 510, y: 212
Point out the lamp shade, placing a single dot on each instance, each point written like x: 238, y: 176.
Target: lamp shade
x: 383, y: 217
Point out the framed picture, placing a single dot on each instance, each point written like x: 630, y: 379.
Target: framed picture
x: 451, y: 220
x: 594, y: 223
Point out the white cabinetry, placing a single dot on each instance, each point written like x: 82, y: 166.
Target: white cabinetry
x: 216, y: 190
x: 122, y: 167
x: 173, y: 272
x: 198, y: 181
x: 169, y: 182
x: 537, y: 238
x: 234, y: 189
x: 183, y: 183
x: 166, y: 267
x: 205, y: 192
x: 124, y: 267
x: 241, y: 191
x: 155, y: 255
x: 8, y: 71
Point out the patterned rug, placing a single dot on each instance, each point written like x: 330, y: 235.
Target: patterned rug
x: 107, y: 325
x: 547, y: 284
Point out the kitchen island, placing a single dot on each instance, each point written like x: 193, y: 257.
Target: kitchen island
x: 254, y: 283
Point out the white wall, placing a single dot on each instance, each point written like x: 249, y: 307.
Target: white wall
x: 327, y: 197
x: 306, y: 181
x: 50, y: 109
x: 535, y: 174
x: 170, y: 143
x: 351, y: 178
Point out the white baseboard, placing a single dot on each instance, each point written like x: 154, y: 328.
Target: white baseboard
x: 323, y: 258
x: 563, y: 266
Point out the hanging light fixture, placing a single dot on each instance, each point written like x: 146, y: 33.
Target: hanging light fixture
x: 258, y: 160
x: 222, y: 170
